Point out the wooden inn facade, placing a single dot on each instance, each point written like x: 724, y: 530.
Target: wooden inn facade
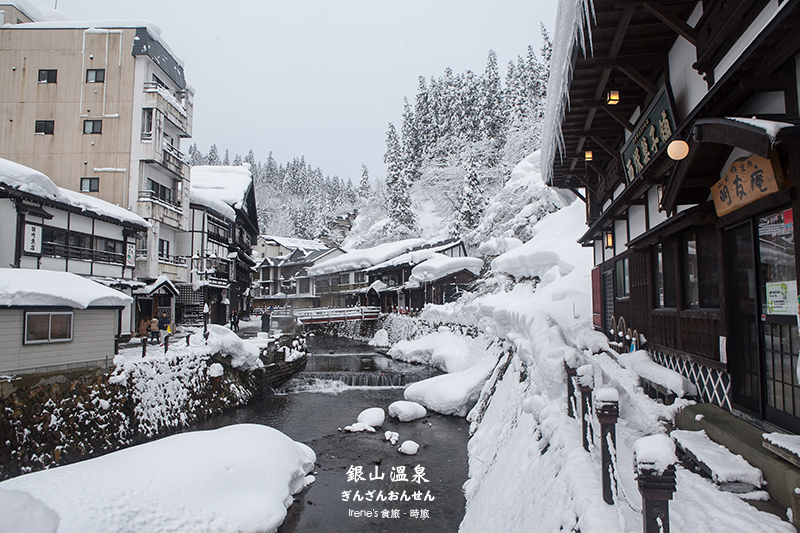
x: 680, y: 132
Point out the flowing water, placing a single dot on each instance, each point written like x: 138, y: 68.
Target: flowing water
x: 359, y: 484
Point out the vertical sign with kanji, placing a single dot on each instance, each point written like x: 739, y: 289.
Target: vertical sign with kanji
x: 747, y: 180
x: 130, y: 255
x: 33, y: 239
x: 649, y: 137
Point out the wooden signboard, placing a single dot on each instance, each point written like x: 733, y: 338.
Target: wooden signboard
x: 650, y: 136
x: 747, y: 180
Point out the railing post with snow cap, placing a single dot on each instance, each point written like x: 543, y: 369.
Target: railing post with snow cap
x: 144, y: 346
x: 654, y: 459
x: 571, y: 363
x: 606, y: 402
x: 586, y: 383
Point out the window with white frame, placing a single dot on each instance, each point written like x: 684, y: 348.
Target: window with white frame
x: 95, y: 75
x: 44, y: 327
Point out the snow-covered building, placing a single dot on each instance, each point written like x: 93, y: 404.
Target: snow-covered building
x: 379, y: 275
x: 101, y: 107
x: 284, y: 281
x: 274, y: 246
x: 223, y: 227
x: 56, y: 321
x: 51, y: 228
x: 679, y: 129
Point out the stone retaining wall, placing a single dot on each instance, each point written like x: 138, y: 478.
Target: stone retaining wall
x: 56, y: 419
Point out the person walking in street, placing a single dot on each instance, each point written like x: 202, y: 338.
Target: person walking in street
x: 144, y: 326
x: 265, y: 321
x: 235, y: 321
x: 154, y: 329
x: 163, y: 327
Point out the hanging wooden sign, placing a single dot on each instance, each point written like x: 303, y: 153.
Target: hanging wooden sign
x: 748, y: 179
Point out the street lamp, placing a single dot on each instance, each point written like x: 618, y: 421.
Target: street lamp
x: 205, y: 321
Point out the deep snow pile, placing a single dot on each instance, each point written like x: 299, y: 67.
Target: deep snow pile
x: 238, y: 478
x: 528, y: 469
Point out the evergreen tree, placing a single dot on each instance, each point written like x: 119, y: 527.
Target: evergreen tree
x: 237, y: 160
x: 195, y: 157
x: 398, y: 187
x: 227, y: 161
x: 472, y: 200
x: 412, y: 155
x: 364, y: 188
x: 213, y: 156
x: 251, y: 159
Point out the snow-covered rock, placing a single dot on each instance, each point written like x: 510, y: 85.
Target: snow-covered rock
x: 243, y: 354
x: 380, y: 339
x: 392, y: 437
x: 374, y: 417
x: 407, y: 411
x: 409, y: 447
x: 451, y: 394
x: 196, y: 481
x: 442, y: 349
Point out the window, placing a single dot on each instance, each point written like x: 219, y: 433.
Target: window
x: 361, y: 277
x: 344, y: 279
x: 623, y: 285
x: 147, y: 124
x: 54, y: 242
x: 159, y: 191
x: 45, y: 127
x: 664, y: 274
x: 92, y: 126
x: 95, y: 75
x: 163, y: 248
x: 700, y: 269
x: 90, y: 184
x: 304, y: 286
x: 48, y: 327
x: 47, y: 75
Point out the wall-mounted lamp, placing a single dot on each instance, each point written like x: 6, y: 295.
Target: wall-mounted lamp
x: 678, y: 150
x: 587, y: 155
x: 612, y: 97
x: 608, y: 239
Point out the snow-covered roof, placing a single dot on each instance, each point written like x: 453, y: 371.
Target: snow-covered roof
x: 415, y: 257
x: 570, y: 23
x: 360, y: 259
x: 292, y: 244
x: 771, y: 128
x: 228, y: 184
x: 30, y: 181
x: 209, y: 200
x: 440, y: 266
x: 24, y: 287
x: 33, y: 12
x: 161, y: 281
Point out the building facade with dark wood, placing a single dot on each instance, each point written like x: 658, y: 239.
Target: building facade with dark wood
x: 681, y: 135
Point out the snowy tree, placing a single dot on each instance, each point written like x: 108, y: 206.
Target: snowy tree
x: 213, y: 156
x: 250, y: 158
x: 472, y: 200
x: 397, y: 184
x: 364, y: 188
x: 227, y: 160
x: 237, y: 160
x: 195, y: 157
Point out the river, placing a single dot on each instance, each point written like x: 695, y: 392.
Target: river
x: 354, y: 489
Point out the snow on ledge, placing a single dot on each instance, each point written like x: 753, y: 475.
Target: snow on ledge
x: 770, y: 127
x: 23, y: 287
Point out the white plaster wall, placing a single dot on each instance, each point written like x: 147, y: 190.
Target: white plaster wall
x: 688, y: 86
x: 8, y: 235
x: 656, y: 216
x: 637, y: 220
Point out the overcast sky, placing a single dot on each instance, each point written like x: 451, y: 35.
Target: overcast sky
x: 321, y: 78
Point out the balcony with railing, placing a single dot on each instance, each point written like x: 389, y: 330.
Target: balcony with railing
x: 153, y: 207
x: 177, y: 112
x: 165, y: 154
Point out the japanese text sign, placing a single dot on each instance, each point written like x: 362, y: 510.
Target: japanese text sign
x: 650, y: 135
x: 747, y: 180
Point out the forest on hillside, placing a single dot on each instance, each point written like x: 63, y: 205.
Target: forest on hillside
x: 455, y: 148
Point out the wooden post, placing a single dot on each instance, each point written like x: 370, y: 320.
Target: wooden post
x: 586, y: 382
x: 144, y: 346
x: 607, y: 409
x: 654, y: 459
x: 570, y: 389
x: 166, y: 343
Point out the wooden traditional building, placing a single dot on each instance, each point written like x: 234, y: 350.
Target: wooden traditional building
x: 681, y: 135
